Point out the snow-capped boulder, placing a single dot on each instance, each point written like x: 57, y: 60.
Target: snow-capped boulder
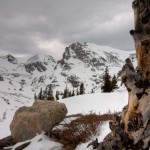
x: 42, y: 116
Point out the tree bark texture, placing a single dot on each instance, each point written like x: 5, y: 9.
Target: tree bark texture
x: 141, y: 35
x: 138, y: 82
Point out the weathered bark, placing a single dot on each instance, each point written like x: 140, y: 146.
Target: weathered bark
x: 139, y: 94
x: 141, y: 35
x: 132, y: 128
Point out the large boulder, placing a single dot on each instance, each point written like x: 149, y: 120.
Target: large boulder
x: 42, y: 116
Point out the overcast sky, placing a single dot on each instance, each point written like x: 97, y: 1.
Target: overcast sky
x: 28, y: 27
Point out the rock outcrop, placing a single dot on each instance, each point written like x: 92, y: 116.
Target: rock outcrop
x: 39, y: 63
x: 42, y: 116
x: 12, y: 59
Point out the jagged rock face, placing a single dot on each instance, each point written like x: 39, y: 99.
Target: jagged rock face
x: 74, y: 80
x: 35, y: 63
x: 12, y: 59
x: 79, y: 51
x: 42, y: 116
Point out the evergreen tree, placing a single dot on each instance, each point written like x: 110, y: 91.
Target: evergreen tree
x: 82, y: 88
x: 77, y: 92
x: 70, y: 94
x: 73, y: 94
x: 92, y: 91
x: 35, y: 97
x: 45, y: 94
x: 65, y: 94
x: 106, y: 85
x: 114, y: 83
x: 50, y: 93
x: 40, y: 96
x: 57, y: 95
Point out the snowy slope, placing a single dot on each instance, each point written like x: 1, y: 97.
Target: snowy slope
x: 98, y: 102
x: 80, y: 63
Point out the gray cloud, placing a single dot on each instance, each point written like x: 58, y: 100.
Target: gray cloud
x: 36, y: 26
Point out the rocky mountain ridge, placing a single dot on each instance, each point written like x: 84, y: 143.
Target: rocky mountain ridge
x: 80, y: 63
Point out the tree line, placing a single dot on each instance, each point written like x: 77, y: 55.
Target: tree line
x: 79, y: 91
x: 47, y: 94
x: 109, y: 84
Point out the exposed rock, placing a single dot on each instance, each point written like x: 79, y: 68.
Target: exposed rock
x: 36, y: 65
x: 66, y: 67
x: 39, y: 63
x: 16, y: 75
x: 8, y: 141
x: 12, y: 59
x: 42, y: 116
x: 1, y: 78
x: 74, y: 80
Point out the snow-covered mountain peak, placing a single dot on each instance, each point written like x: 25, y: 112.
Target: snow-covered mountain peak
x: 93, y: 55
x: 40, y: 58
x: 39, y: 63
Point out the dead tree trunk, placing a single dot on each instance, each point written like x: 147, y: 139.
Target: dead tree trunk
x: 141, y: 35
x: 131, y: 130
x: 137, y: 114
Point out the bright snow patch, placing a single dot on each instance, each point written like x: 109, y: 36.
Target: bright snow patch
x: 98, y: 102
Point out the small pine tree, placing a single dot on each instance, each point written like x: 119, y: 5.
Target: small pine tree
x: 77, y: 92
x: 114, y: 83
x: 82, y: 88
x: 65, y: 94
x: 35, y: 97
x: 57, y: 95
x: 69, y: 94
x: 92, y: 91
x: 73, y: 94
x: 50, y: 93
x: 106, y: 85
x: 40, y: 96
x: 45, y: 94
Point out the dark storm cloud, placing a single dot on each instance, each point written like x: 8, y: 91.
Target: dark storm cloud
x: 31, y: 26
